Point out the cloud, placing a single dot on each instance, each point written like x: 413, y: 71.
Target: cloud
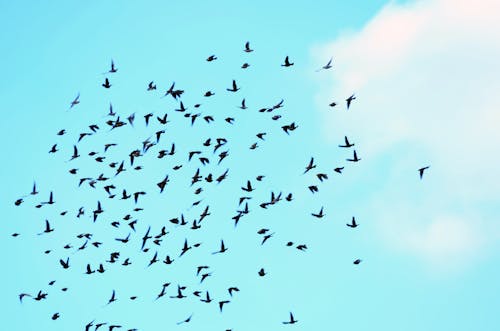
x: 426, y: 77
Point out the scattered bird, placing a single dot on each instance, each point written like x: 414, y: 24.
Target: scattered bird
x: 326, y: 66
x: 287, y: 63
x: 106, y: 83
x: 353, y: 223
x: 421, y: 171
x: 347, y: 144
x: 355, y: 158
x: 247, y: 47
x: 349, y: 100
x: 75, y: 101
x: 292, y: 320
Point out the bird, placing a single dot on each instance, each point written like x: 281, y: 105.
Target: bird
x: 187, y: 320
x: 211, y: 58
x: 326, y: 66
x: 354, y: 159
x: 247, y: 47
x: 353, y: 223
x: 310, y: 166
x: 53, y: 149
x: 357, y: 261
x: 75, y: 101
x: 248, y: 188
x: 222, y: 248
x: 22, y: 295
x: 113, y: 68
x: 287, y: 62
x: 421, y: 171
x: 320, y: 214
x: 106, y: 83
x: 338, y: 169
x: 234, y: 87
x: 347, y: 144
x: 113, y: 298
x: 151, y: 86
x: 292, y: 320
x: 47, y: 229
x: 262, y: 272
x: 222, y: 303
x: 349, y: 100
x: 233, y: 289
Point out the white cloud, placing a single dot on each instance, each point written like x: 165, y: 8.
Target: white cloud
x: 426, y: 74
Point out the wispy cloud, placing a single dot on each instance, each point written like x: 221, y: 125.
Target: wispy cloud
x: 427, y: 78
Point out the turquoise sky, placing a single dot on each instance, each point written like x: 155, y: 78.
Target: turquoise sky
x: 53, y: 51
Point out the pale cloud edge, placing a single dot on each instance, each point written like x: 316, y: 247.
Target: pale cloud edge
x: 426, y: 78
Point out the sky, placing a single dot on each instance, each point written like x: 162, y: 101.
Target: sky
x: 425, y: 78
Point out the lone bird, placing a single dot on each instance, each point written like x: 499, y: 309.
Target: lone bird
x: 292, y: 320
x: 287, y: 62
x: 421, y: 171
x: 349, y: 100
x: 106, y: 84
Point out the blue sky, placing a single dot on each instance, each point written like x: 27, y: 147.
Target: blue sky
x: 429, y: 248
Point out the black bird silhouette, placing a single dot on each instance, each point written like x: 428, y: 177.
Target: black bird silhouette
x: 34, y: 191
x: 187, y: 320
x: 349, y: 100
x: 22, y: 295
x: 211, y: 58
x: 262, y: 272
x: 154, y: 259
x: 53, y: 149
x: 47, y: 229
x: 64, y: 264
x: 222, y: 303
x: 287, y: 62
x: 310, y: 166
x: 106, y: 84
x: 75, y: 101
x: 233, y: 289
x: 75, y: 153
x: 247, y: 47
x: 207, y: 298
x: 421, y: 171
x: 357, y: 261
x: 292, y: 320
x: 185, y: 248
x: 313, y: 188
x: 355, y: 158
x: 320, y: 214
x: 222, y: 248
x: 113, y: 68
x: 347, y: 143
x: 234, y: 88
x: 51, y: 199
x: 151, y: 86
x: 322, y: 177
x: 248, y: 188
x: 163, y: 183
x: 353, y: 223
x: 338, y: 169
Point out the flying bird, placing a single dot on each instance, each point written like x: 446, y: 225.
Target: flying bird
x: 247, y: 47
x: 349, y: 100
x: 287, y: 63
x: 326, y: 66
x: 421, y: 171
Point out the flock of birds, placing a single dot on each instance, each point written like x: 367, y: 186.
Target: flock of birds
x: 212, y: 152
